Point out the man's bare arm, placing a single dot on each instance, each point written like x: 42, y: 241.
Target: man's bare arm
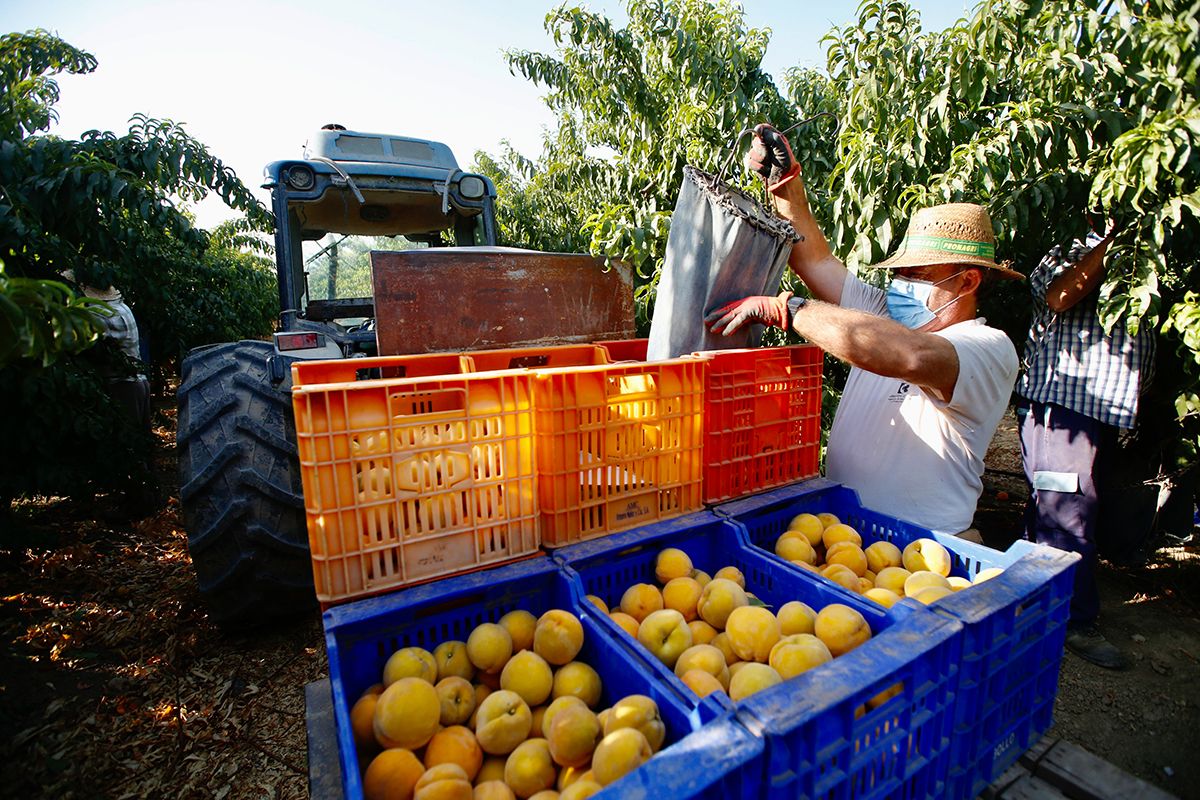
x: 881, y: 345
x: 1079, y: 280
x: 811, y: 259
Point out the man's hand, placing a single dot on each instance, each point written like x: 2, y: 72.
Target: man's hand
x: 771, y: 157
x: 729, y: 318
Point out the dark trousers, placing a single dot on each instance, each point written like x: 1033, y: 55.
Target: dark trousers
x: 1057, y: 440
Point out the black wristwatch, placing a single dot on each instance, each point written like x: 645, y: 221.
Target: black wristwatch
x: 794, y: 304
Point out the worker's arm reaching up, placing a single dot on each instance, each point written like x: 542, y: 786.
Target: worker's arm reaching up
x: 811, y: 259
x: 876, y: 344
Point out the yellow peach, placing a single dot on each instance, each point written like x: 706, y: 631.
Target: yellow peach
x: 489, y: 647
x: 455, y: 745
x: 794, y: 546
x: 809, y: 525
x: 618, y: 753
x: 883, y: 554
x: 530, y: 768
x: 892, y: 579
x: 529, y: 676
x: 641, y: 600
x: 923, y: 579
x: 457, y: 698
x: 392, y: 774
x: 682, y: 594
x: 848, y: 554
x: 598, y: 603
x: 452, y: 661
x: 705, y: 658
x: 843, y: 576
x: 795, y: 617
x: 884, y: 597
x: 410, y: 662
x: 840, y: 532
x: 498, y: 790
x: 672, y: 563
x: 558, y: 636
x: 841, y: 628
x: 987, y: 574
x: 641, y: 713
x: 580, y: 790
x: 927, y: 554
x: 520, y: 625
x: 502, y: 722
x: 701, y: 682
x: 627, y: 623
x: 931, y: 594
x: 718, y: 600
x: 828, y: 519
x: 407, y: 714
x: 362, y: 721
x: 444, y: 782
x: 751, y: 678
x: 559, y: 705
x: 665, y: 634
x: 702, y: 632
x: 722, y: 643
x: 798, y: 653
x: 573, y: 736
x: 753, y: 631
x: 732, y: 573
x: 578, y: 680
x: 492, y: 770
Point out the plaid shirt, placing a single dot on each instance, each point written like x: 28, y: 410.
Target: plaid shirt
x: 1070, y: 362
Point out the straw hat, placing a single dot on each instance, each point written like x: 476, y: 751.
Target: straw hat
x: 952, y: 233
x: 109, y: 295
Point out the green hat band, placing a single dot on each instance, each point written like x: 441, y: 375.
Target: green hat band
x: 957, y: 247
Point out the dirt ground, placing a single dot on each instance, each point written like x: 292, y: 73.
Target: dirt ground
x: 114, y: 684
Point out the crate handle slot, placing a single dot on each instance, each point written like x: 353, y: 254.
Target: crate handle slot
x: 525, y: 362
x: 379, y: 373
x: 418, y: 404
x: 632, y: 385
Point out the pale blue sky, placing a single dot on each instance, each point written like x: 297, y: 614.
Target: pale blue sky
x: 252, y: 79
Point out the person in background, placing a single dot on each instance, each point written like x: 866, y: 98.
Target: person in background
x: 930, y: 380
x: 1079, y: 387
x: 131, y: 392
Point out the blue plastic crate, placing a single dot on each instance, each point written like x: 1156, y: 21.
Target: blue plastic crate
x: 720, y: 761
x: 819, y: 739
x: 360, y: 637
x: 1014, y: 624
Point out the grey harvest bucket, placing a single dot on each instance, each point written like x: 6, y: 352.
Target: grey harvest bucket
x: 723, y: 246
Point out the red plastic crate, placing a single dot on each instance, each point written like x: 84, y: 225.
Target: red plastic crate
x: 617, y: 446
x: 762, y: 419
x: 406, y: 480
x: 762, y: 425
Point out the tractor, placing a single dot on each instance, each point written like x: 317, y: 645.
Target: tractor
x: 382, y: 246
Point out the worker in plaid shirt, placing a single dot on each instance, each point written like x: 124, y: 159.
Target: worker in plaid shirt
x: 1079, y: 387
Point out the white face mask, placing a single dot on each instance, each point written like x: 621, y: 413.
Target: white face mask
x: 908, y: 298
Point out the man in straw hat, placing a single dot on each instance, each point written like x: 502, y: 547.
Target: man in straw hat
x: 930, y: 380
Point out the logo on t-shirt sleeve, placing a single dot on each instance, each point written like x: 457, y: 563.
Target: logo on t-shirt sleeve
x: 901, y: 392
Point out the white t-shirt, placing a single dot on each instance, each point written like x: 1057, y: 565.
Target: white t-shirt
x: 909, y: 454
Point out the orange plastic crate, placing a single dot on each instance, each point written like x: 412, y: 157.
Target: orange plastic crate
x: 407, y: 480
x: 567, y: 355
x: 618, y: 446
x: 626, y: 349
x: 762, y: 419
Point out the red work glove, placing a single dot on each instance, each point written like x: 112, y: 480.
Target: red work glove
x: 729, y: 318
x: 771, y: 157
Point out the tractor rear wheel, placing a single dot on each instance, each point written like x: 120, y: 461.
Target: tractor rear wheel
x: 243, y: 506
